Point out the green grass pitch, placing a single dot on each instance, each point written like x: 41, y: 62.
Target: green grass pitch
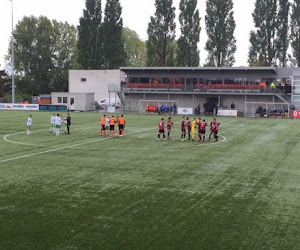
x: 81, y: 191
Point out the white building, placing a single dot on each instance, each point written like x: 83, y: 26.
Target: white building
x: 74, y: 101
x: 94, y: 81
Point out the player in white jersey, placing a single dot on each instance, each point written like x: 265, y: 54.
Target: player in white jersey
x: 107, y: 125
x: 52, y: 123
x: 29, y: 124
x: 58, y: 122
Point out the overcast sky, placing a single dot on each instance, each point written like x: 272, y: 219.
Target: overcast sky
x: 136, y: 16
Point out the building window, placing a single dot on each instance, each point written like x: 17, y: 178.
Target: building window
x: 59, y: 100
x: 83, y: 79
x: 65, y: 99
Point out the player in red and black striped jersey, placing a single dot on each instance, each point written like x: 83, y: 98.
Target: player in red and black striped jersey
x: 214, y: 129
x: 189, y: 127
x: 161, y: 129
x: 183, y: 128
x: 169, y: 126
x: 202, y: 130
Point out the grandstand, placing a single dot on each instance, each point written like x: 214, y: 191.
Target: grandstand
x: 190, y: 87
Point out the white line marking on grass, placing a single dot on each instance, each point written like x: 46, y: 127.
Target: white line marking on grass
x: 184, y: 145
x: 75, y: 146
x: 23, y: 143
x: 65, y: 147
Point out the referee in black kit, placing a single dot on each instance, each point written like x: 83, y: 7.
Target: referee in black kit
x: 68, y: 123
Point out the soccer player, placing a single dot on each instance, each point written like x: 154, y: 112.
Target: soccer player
x: 161, y: 129
x: 194, y: 129
x: 52, y: 123
x: 122, y: 122
x: 189, y: 127
x: 112, y: 126
x: 169, y: 126
x: 107, y: 125
x: 183, y: 131
x: 202, y: 130
x: 68, y: 123
x: 58, y: 124
x: 102, y: 124
x: 214, y: 129
x: 29, y: 124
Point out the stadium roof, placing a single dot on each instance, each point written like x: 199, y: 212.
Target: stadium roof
x: 200, y: 69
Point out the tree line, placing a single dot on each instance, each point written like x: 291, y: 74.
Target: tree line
x: 46, y: 49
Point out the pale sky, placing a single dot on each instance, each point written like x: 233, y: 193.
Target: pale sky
x: 136, y: 16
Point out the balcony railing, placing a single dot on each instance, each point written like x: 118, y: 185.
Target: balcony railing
x: 203, y: 88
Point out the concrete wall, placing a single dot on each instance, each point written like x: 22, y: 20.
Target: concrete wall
x: 96, y: 81
x: 83, y: 101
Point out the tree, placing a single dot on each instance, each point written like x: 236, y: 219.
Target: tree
x: 161, y: 35
x: 2, y: 91
x: 64, y: 55
x: 135, y: 49
x: 220, y: 26
x: 90, y: 51
x: 282, y: 41
x: 295, y: 31
x: 44, y: 52
x: 262, y: 50
x: 113, y: 44
x: 33, y: 49
x: 189, y: 19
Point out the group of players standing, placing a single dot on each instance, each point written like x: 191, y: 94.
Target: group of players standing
x: 108, y: 125
x: 187, y: 127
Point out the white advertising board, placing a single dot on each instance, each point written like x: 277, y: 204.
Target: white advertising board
x: 185, y: 111
x: 227, y: 112
x: 17, y: 106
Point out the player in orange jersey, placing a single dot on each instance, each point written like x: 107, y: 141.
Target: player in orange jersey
x: 112, y: 126
x: 102, y: 124
x: 122, y: 122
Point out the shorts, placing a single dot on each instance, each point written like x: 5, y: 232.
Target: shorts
x: 183, y: 130
x: 121, y: 126
x: 112, y: 127
x: 216, y: 132
x: 202, y: 132
x: 161, y: 131
x: 102, y: 127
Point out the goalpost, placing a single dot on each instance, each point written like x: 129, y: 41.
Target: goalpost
x: 168, y: 104
x: 267, y: 109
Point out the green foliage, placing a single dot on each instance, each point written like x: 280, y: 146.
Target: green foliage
x: 113, y: 43
x: 65, y: 54
x: 2, y: 91
x: 282, y: 41
x: 44, y: 52
x: 135, y: 49
x: 220, y: 26
x: 189, y: 19
x: 90, y: 36
x: 262, y: 51
x: 295, y: 31
x: 161, y: 35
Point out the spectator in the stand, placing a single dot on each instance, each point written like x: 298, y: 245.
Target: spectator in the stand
x: 273, y: 87
x: 206, y: 106
x: 262, y: 86
x: 174, y: 109
x: 216, y: 108
x: 198, y: 109
x: 232, y: 106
